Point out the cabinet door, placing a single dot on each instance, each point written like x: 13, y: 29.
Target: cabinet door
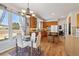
x: 33, y: 22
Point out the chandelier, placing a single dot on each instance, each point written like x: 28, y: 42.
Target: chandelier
x: 27, y: 12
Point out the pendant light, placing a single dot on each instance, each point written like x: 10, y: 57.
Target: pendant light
x: 27, y: 12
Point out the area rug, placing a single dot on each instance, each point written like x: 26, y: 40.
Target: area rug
x: 26, y: 52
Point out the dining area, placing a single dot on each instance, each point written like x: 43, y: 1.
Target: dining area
x: 28, y: 45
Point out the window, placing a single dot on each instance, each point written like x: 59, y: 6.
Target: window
x: 4, y: 28
x: 15, y: 24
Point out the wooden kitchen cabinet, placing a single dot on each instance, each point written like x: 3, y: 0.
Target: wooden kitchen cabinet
x: 33, y: 22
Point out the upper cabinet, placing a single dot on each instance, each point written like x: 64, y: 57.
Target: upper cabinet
x: 48, y: 24
x: 33, y: 22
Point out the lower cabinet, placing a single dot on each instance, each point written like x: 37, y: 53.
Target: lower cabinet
x: 72, y: 45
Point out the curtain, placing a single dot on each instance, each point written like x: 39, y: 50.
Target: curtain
x: 2, y: 13
x: 23, y: 25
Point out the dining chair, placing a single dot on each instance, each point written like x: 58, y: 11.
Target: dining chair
x: 36, y: 39
x: 21, y: 43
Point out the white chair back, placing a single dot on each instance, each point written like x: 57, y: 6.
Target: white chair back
x: 38, y: 39
x: 33, y: 36
x: 19, y: 40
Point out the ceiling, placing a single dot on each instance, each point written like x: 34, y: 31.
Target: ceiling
x: 48, y: 11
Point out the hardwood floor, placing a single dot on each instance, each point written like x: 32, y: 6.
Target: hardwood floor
x: 53, y: 49
x: 49, y: 48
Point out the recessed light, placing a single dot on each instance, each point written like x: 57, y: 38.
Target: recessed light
x: 53, y: 14
x: 62, y: 16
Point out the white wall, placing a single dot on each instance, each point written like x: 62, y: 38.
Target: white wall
x: 39, y: 23
x: 73, y: 16
x: 67, y: 21
x: 62, y: 22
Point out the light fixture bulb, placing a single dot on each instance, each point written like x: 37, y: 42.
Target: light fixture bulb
x: 33, y: 15
x: 62, y: 16
x: 31, y: 12
x: 23, y: 11
x: 22, y: 14
x: 53, y: 14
